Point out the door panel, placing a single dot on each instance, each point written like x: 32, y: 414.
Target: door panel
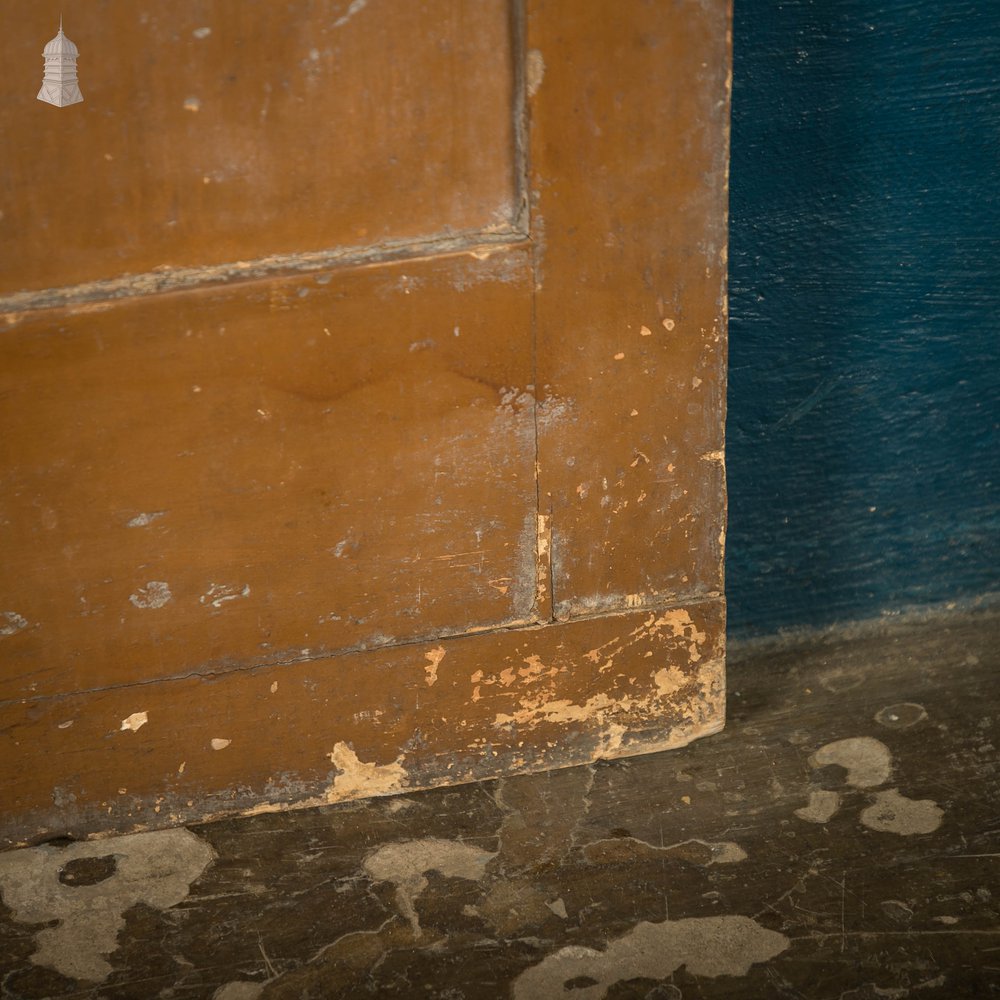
x: 388, y: 456
x: 275, y: 472
x: 221, y: 131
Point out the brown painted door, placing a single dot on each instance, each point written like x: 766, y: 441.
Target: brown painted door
x: 361, y: 399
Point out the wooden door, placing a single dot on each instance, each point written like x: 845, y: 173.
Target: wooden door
x: 361, y: 400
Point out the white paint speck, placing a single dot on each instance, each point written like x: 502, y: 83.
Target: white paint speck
x: 134, y: 722
x: 144, y: 519
x: 219, y: 593
x: 155, y: 594
x: 201, y: 32
x: 11, y: 622
x: 66, y: 725
x: 218, y: 744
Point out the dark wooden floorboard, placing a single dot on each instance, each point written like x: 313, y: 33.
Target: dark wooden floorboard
x: 840, y: 840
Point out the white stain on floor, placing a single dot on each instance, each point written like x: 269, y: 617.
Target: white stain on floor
x: 157, y: 869
x: 868, y: 764
x: 867, y: 761
x: 705, y: 946
x: 891, y: 812
x: 407, y: 863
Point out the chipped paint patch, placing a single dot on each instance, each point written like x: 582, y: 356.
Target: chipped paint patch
x: 706, y: 946
x: 143, y: 520
x: 155, y: 594
x: 358, y: 779
x: 407, y: 863
x: 822, y: 807
x: 134, y: 722
x: 891, y: 812
x: 219, y: 593
x: 867, y: 761
x: 11, y: 622
x: 220, y: 744
x: 157, y: 869
x: 669, y: 681
x: 534, y: 71
x: 543, y: 560
x: 434, y: 658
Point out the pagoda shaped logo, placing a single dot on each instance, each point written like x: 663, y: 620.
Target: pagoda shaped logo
x: 59, y: 85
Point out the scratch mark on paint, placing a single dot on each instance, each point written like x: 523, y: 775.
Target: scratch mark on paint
x: 155, y: 594
x: 134, y: 722
x: 434, y: 658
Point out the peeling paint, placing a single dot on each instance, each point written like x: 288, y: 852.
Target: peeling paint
x: 669, y: 681
x: 134, y: 722
x: 434, y: 658
x: 706, y: 946
x: 534, y: 71
x: 358, y: 779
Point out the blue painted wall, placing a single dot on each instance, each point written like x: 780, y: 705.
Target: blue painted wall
x: 864, y: 460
